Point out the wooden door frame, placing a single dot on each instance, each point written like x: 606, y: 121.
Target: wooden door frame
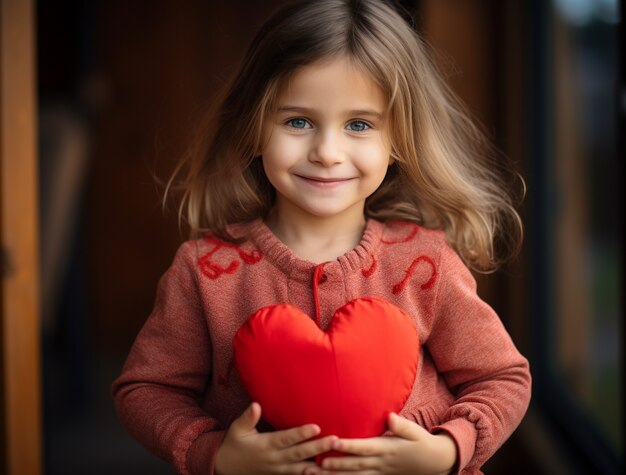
x: 20, y: 384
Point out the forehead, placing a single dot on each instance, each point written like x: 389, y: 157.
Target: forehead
x: 332, y: 84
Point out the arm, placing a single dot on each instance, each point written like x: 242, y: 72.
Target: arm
x: 473, y: 351
x: 159, y: 392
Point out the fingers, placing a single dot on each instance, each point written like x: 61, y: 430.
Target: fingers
x: 351, y: 463
x: 405, y: 428
x: 321, y: 471
x: 283, y: 439
x: 309, y: 449
x: 363, y: 447
x: 285, y: 451
x: 247, y: 421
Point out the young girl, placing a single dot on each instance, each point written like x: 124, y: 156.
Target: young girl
x: 337, y: 166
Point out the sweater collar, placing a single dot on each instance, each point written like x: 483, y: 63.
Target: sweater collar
x: 273, y: 249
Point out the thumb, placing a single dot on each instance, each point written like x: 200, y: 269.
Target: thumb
x: 248, y: 420
x: 405, y: 428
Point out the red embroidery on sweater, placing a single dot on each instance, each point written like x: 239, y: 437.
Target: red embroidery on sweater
x: 372, y: 268
x: 409, y: 272
x: 213, y: 270
x: 414, y: 230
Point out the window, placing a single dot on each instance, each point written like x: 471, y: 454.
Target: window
x: 576, y: 237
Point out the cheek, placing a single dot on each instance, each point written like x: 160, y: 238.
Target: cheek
x: 281, y: 152
x: 374, y: 160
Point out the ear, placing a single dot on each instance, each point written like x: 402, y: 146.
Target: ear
x: 391, y: 160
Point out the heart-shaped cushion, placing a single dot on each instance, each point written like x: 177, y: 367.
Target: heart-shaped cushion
x: 346, y: 379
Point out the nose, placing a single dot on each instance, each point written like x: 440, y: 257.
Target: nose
x: 326, y: 150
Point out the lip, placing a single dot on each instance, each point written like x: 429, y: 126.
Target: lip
x: 324, y: 182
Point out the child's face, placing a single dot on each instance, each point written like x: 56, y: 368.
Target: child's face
x: 327, y: 147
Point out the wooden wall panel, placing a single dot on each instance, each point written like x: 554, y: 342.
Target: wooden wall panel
x: 162, y: 61
x: 19, y: 312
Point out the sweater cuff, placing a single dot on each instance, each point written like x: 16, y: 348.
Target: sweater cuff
x: 464, y: 434
x: 201, y: 453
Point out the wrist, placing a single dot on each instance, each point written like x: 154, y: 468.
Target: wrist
x: 218, y: 466
x: 447, y: 451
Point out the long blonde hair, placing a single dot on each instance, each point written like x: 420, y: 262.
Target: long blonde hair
x: 445, y: 176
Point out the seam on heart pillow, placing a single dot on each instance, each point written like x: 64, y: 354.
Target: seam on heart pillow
x: 346, y: 379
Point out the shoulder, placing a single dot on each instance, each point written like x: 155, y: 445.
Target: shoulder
x: 404, y: 243
x: 241, y: 235
x: 425, y: 256
x: 213, y: 257
x: 414, y: 257
x: 403, y: 236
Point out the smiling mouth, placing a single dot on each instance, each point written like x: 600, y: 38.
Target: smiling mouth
x: 323, y: 181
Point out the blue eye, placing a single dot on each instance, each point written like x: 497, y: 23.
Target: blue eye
x: 298, y: 123
x: 358, y: 126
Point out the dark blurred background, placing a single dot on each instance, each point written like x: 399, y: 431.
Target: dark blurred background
x: 119, y: 86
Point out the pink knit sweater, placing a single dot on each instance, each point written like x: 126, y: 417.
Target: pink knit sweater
x: 178, y: 392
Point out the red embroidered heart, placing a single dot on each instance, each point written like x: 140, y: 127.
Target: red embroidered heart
x: 346, y: 379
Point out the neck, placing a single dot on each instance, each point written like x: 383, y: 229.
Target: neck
x: 317, y: 239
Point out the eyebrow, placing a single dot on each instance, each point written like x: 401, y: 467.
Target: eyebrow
x: 354, y: 112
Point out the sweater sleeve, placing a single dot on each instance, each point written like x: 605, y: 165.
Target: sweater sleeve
x: 480, y: 364
x: 159, y: 393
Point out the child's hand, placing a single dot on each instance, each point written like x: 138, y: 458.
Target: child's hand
x: 245, y: 451
x: 413, y: 450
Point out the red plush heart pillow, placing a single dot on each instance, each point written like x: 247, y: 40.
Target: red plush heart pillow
x: 345, y: 379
